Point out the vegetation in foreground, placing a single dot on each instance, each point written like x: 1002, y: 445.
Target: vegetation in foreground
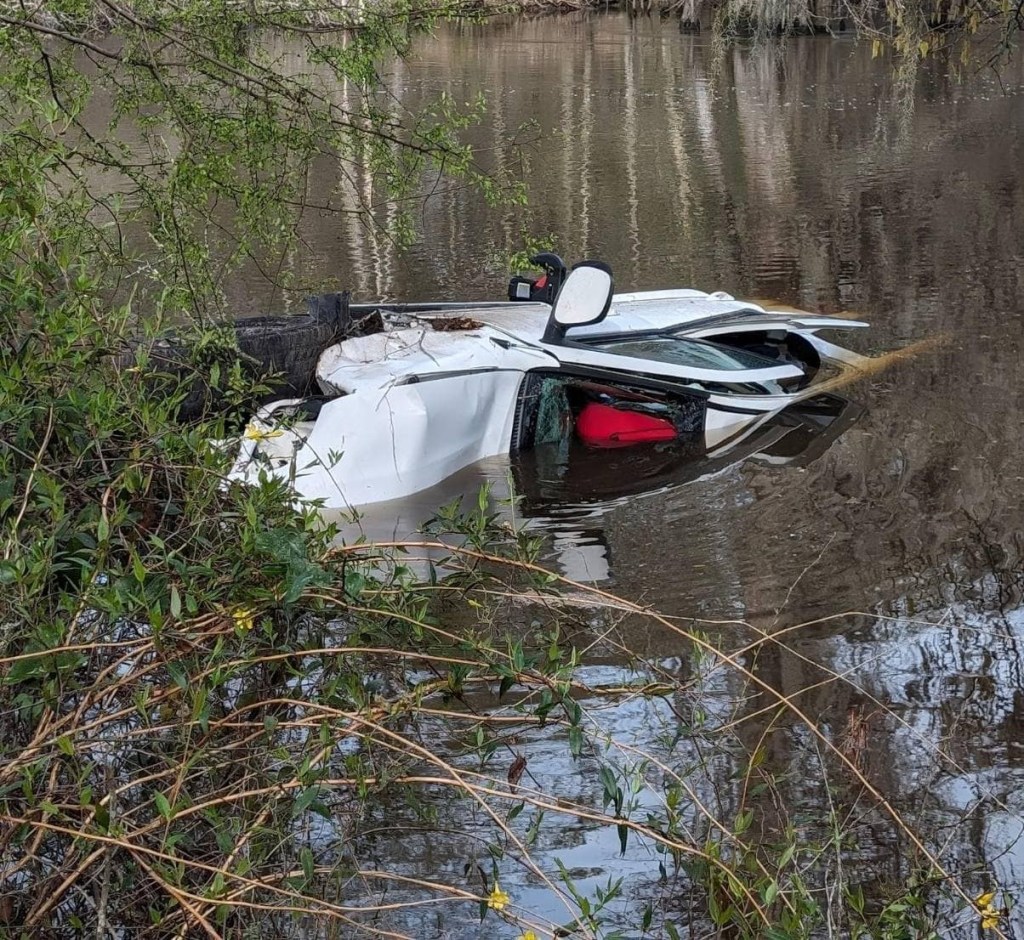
x: 216, y: 722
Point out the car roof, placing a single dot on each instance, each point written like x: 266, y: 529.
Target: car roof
x: 647, y: 310
x: 634, y: 313
x: 477, y: 338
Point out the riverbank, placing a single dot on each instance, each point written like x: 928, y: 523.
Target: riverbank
x: 912, y: 29
x: 806, y: 16
x: 800, y: 17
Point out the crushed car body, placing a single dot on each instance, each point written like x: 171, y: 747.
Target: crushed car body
x: 433, y: 388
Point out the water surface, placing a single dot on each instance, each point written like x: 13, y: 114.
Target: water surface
x: 796, y: 175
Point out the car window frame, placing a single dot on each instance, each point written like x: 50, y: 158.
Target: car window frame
x: 522, y: 421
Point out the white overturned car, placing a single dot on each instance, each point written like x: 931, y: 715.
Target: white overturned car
x: 438, y: 387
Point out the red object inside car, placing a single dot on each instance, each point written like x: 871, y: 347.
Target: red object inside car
x: 604, y: 426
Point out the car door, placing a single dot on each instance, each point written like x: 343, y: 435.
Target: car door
x: 602, y: 408
x: 384, y: 444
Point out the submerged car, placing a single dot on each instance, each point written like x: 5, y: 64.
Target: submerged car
x: 571, y: 492
x: 430, y: 389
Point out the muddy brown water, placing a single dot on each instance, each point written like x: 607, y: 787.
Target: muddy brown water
x: 797, y: 175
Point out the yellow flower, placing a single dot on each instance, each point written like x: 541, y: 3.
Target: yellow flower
x: 497, y: 900
x: 990, y: 914
x: 529, y: 935
x: 255, y: 433
x: 244, y: 618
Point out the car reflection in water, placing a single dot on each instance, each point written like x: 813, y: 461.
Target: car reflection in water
x: 564, y: 488
x: 567, y: 488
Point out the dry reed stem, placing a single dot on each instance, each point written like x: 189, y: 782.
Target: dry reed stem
x: 708, y: 649
x: 483, y: 789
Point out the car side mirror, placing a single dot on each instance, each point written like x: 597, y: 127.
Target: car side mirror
x: 584, y: 298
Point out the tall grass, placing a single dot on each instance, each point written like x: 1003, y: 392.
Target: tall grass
x: 259, y: 772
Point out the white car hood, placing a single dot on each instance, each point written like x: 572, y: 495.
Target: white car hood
x: 391, y: 358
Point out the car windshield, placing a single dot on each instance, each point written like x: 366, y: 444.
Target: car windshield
x: 685, y: 352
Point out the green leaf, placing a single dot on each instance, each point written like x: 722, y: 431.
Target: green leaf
x: 306, y: 860
x: 306, y: 799
x: 575, y: 741
x: 177, y: 674
x: 22, y: 670
x: 163, y: 807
